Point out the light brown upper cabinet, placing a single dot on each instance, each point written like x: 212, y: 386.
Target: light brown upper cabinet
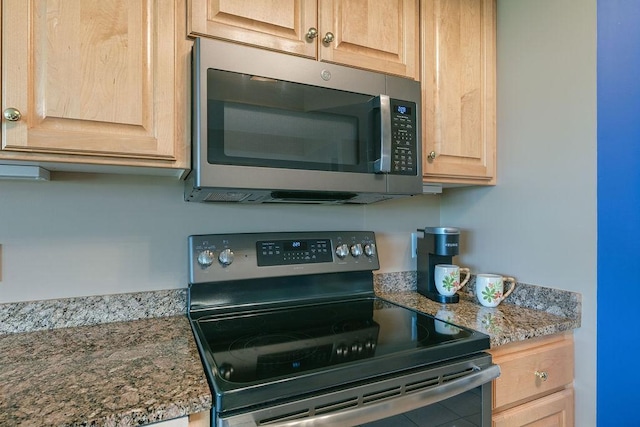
x: 371, y: 34
x: 95, y: 82
x: 459, y: 91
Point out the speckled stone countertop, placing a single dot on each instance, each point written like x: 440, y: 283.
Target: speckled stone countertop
x: 130, y: 359
x: 111, y: 374
x: 530, y: 311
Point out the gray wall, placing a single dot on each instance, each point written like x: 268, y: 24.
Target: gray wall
x: 539, y: 222
x: 84, y: 235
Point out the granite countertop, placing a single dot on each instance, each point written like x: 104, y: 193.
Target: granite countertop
x: 530, y: 311
x: 113, y: 374
x: 130, y: 359
x: 504, y: 324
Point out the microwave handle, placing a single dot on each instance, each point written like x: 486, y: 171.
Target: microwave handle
x: 383, y: 164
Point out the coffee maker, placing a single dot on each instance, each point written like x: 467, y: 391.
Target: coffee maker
x: 438, y: 246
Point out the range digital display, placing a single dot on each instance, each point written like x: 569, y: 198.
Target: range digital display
x: 299, y: 251
x: 295, y: 245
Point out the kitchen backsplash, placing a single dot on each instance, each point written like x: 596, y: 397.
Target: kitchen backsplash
x: 82, y: 311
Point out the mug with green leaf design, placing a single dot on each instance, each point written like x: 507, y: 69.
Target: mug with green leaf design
x: 490, y: 288
x: 447, y: 278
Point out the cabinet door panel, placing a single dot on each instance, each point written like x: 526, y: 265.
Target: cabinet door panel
x: 272, y: 24
x: 555, y: 410
x: 459, y: 90
x: 90, y: 77
x: 371, y: 34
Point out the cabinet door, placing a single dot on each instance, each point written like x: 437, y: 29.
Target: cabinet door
x: 372, y: 34
x: 555, y: 410
x: 91, y: 78
x: 273, y: 24
x: 459, y: 91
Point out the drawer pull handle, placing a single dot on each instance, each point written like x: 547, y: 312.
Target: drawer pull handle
x: 542, y: 375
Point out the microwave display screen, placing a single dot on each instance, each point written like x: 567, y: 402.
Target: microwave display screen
x: 403, y: 109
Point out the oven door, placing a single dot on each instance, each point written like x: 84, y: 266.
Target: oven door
x: 458, y: 390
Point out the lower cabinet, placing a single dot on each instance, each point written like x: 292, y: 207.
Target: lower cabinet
x: 199, y: 419
x: 535, y: 387
x: 553, y: 410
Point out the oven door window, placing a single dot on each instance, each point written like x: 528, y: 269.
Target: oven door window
x: 255, y: 121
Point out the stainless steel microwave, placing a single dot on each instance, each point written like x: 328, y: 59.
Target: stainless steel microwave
x: 271, y: 128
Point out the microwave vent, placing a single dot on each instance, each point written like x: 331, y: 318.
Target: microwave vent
x: 226, y: 196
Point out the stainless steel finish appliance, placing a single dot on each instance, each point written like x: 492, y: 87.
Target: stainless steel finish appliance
x: 291, y: 334
x: 272, y: 127
x: 438, y: 245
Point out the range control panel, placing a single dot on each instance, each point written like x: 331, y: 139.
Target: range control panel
x: 296, y: 251
x: 221, y: 257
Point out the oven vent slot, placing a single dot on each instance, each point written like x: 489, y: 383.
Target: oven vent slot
x: 337, y: 406
x: 359, y: 399
x: 454, y: 375
x: 421, y: 385
x: 285, y: 417
x: 381, y: 395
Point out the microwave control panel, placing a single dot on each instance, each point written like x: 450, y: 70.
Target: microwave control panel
x: 403, y: 138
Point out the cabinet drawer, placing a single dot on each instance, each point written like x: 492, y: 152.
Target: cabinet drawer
x: 533, y: 371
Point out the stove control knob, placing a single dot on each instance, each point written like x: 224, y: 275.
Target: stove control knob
x: 226, y: 257
x: 205, y: 258
x: 356, y: 348
x: 370, y: 249
x: 356, y: 250
x: 342, y: 250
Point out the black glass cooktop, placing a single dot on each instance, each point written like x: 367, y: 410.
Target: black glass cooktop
x: 267, y: 345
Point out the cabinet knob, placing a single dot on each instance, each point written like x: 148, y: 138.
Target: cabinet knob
x: 432, y: 155
x: 12, y: 114
x: 312, y: 33
x: 328, y: 38
x: 542, y: 375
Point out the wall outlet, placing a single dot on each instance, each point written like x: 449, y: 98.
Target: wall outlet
x: 414, y: 245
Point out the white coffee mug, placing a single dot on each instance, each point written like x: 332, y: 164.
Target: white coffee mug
x: 447, y: 278
x: 490, y: 288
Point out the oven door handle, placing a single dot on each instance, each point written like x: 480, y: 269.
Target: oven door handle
x: 399, y: 405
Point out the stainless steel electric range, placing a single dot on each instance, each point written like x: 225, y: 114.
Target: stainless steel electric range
x: 291, y: 333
